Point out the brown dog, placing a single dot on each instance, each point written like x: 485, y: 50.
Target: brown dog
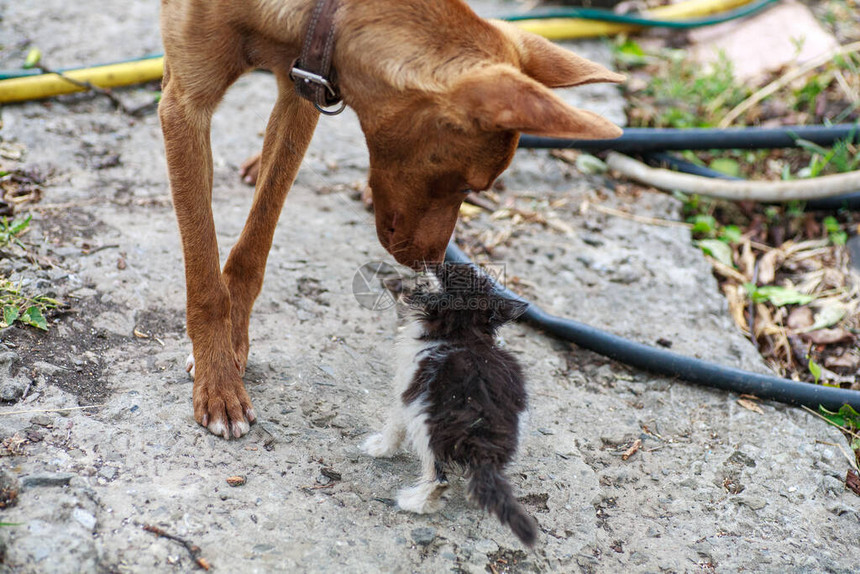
x: 441, y: 96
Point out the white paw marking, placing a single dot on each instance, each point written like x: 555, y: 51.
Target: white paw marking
x: 422, y: 498
x: 217, y: 427
x: 189, y: 365
x: 376, y: 445
x: 240, y: 428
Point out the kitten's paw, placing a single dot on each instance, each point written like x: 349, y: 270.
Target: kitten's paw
x: 377, y: 445
x: 423, y: 498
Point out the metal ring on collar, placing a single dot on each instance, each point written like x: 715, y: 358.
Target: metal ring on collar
x: 331, y: 112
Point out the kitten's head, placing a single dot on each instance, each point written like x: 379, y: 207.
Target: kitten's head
x: 453, y: 301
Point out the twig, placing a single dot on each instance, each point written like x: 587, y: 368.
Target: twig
x: 632, y: 450
x: 481, y: 202
x: 824, y: 418
x: 784, y: 80
x: 751, y: 310
x: 89, y: 87
x: 51, y: 410
x: 92, y: 250
x: 632, y: 217
x: 192, y: 548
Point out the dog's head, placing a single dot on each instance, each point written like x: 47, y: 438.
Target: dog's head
x: 453, y: 123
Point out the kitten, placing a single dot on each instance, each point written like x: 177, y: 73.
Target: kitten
x: 461, y: 396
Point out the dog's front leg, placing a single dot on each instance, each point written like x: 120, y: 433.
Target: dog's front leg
x: 220, y: 401
x: 288, y: 135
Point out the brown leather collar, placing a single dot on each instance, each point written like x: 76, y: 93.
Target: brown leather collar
x: 312, y: 73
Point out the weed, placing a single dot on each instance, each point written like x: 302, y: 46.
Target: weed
x: 843, y: 157
x: 10, y: 231
x: 23, y: 308
x: 681, y: 94
x: 835, y: 233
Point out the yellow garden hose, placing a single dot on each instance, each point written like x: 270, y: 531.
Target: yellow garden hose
x: 39, y: 86
x: 108, y: 76
x: 569, y: 28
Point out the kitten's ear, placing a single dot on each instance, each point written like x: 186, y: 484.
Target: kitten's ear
x: 507, y: 310
x: 393, y: 284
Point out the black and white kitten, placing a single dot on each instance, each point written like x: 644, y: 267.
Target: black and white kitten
x: 461, y: 396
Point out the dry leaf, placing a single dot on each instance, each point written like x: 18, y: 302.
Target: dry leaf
x: 799, y: 318
x: 467, y: 210
x: 763, y: 320
x: 828, y: 336
x: 843, y: 361
x: 768, y: 265
x: 750, y: 406
x: 852, y: 481
x: 737, y: 305
x: 746, y: 261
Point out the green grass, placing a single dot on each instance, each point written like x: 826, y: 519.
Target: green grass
x: 17, y: 305
x: 24, y: 308
x: 843, y: 157
x: 11, y: 230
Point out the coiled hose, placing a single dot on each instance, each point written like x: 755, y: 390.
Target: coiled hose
x: 674, y: 365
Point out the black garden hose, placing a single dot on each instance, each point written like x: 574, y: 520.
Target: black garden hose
x: 674, y: 365
x: 645, y: 140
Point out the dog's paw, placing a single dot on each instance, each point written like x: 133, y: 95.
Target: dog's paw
x: 377, y: 445
x: 250, y: 169
x: 423, y: 498
x: 222, y: 405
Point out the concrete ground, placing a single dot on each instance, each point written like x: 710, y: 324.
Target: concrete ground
x: 713, y: 488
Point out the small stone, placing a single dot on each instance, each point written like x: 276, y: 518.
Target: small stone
x: 753, y: 502
x: 42, y: 420
x: 84, y: 518
x: 740, y: 458
x: 236, y: 480
x: 12, y: 390
x: 592, y: 240
x: 48, y: 369
x: 424, y: 535
x: 47, y: 479
x: 7, y: 360
x: 262, y: 548
x: 108, y: 472
x: 638, y: 558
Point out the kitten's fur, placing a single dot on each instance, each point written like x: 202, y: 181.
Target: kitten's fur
x: 461, y: 396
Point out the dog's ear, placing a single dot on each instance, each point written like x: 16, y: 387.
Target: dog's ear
x: 500, y: 98
x: 552, y: 65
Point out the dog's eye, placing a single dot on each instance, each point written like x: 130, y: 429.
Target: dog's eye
x: 466, y: 190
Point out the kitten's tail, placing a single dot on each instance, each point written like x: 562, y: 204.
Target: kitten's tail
x: 492, y: 491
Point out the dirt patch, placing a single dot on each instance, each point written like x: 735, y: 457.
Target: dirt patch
x: 70, y: 355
